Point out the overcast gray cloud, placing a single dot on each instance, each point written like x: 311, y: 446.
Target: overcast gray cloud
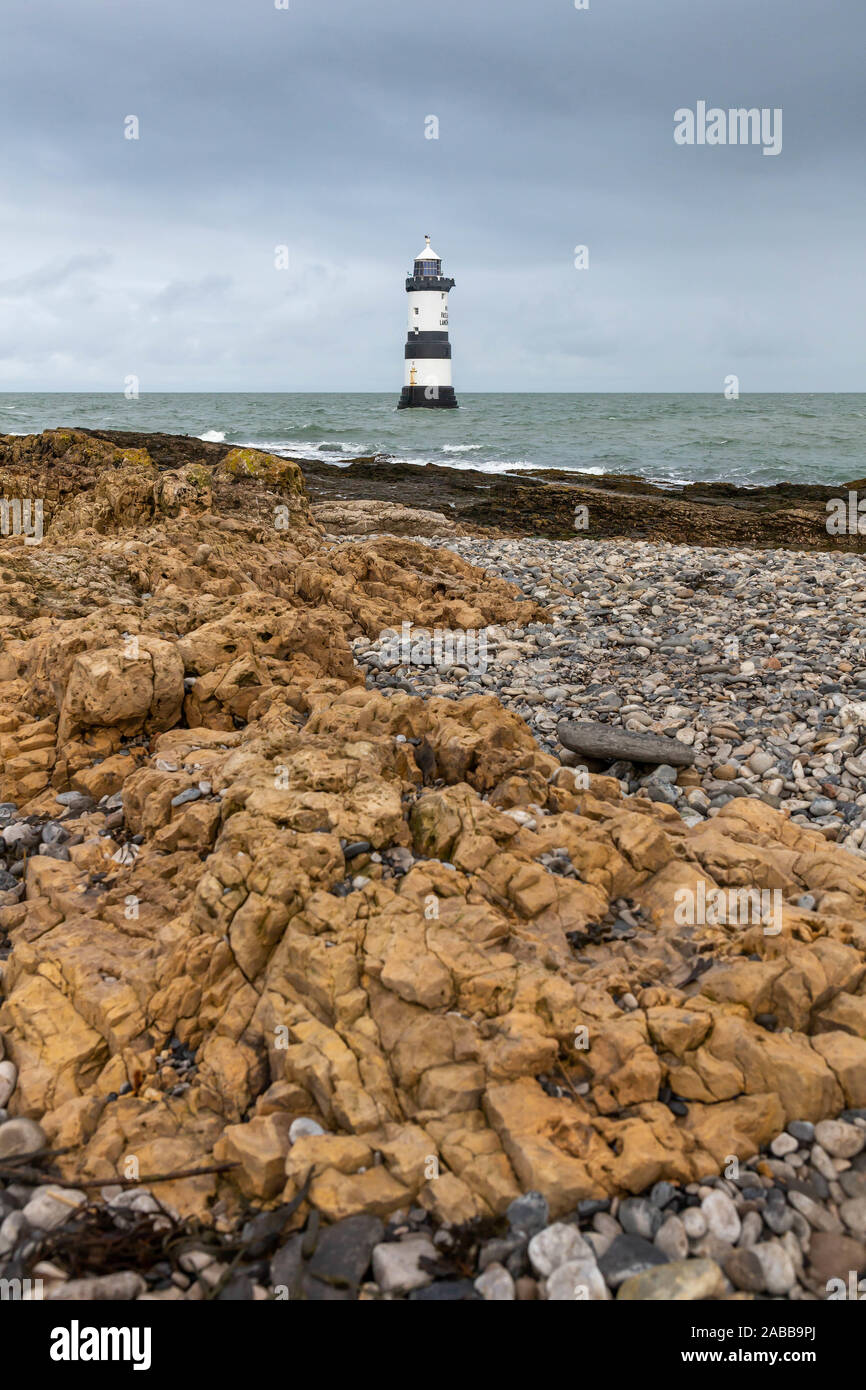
x: 305, y: 127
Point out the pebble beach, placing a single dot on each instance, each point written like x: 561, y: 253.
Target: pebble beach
x: 757, y: 661
x: 719, y: 1116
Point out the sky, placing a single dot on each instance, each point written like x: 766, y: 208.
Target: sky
x: 307, y: 127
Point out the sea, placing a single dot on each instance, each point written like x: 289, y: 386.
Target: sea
x: 755, y: 440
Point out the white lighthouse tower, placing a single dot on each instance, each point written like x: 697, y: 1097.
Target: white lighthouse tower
x: 427, y: 379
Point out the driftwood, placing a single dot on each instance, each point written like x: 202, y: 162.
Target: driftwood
x: 608, y: 744
x: 13, y: 1172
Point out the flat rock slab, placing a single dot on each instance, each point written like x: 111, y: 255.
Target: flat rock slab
x: 603, y: 741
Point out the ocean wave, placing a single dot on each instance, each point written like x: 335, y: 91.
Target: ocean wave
x: 460, y: 448
x: 484, y: 465
x: 213, y: 437
x: 321, y: 452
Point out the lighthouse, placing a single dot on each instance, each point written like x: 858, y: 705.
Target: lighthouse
x: 427, y: 378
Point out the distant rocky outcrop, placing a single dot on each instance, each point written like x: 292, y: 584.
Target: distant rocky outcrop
x: 365, y: 517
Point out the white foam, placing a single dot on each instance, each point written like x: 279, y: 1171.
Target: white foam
x: 213, y: 437
x: 323, y: 452
x: 460, y: 448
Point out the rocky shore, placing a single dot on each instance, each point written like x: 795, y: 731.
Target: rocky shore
x: 543, y: 502
x: 331, y: 975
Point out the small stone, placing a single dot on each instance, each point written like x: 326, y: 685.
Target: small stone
x: 761, y: 762
x: 672, y: 1240
x: 76, y: 802
x: 396, y: 1264
x: 679, y: 1281
x: 695, y: 1223
x: 344, y: 1250
x: 853, y: 1184
x: 21, y: 1137
x: 446, y: 1291
x: 627, y: 1256
x: 802, y: 1130
x: 783, y: 1144
x: 840, y: 1139
x: 765, y: 1268
x: 577, y: 1281
x: 12, y: 1228
x: 817, y: 1217
x: 304, y: 1128
x: 822, y: 1163
x: 287, y: 1266
x: 528, y: 1213
x: 53, y: 833
x: 745, y: 1271
x: 834, y: 1256
x: 555, y: 1245
x: 22, y: 836
x: 49, y: 1207
x: 639, y: 1217
x: 54, y: 852
x: 723, y: 1219
x: 751, y: 1230
x: 496, y: 1285
x: 853, y: 1213
x: 662, y: 1193
x: 190, y: 794
x: 8, y: 1080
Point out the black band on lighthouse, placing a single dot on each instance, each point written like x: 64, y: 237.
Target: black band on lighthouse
x: 442, y: 397
x: 427, y: 375
x: 419, y: 350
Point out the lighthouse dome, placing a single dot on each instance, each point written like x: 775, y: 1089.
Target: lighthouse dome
x: 427, y: 262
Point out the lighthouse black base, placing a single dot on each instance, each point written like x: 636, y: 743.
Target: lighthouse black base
x: 415, y: 397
